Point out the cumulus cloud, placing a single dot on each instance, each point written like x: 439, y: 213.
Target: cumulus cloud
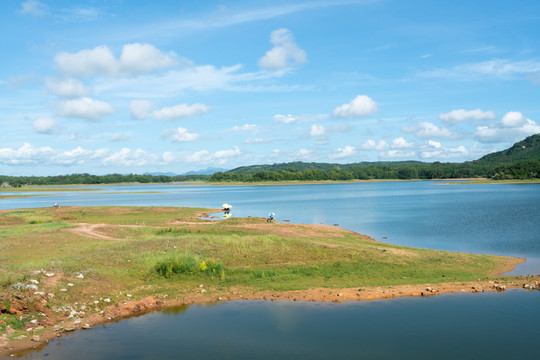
x: 135, y: 59
x: 426, y: 130
x: 460, y: 115
x: 360, y: 106
x: 398, y: 154
x: 46, y: 126
x: 118, y: 137
x: 69, y: 88
x: 127, y: 157
x: 222, y: 156
x: 180, y: 135
x: 27, y: 154
x: 198, y: 156
x: 372, y: 145
x: 317, y: 131
x: 514, y: 126
x: 285, y: 119
x: 303, y: 153
x: 84, y: 108
x: 285, y: 52
x: 142, y: 109
x: 513, y: 119
x: 245, y: 127
x: 179, y: 111
x: 34, y: 8
x: 434, y: 149
x: 344, y: 152
x: 401, y: 143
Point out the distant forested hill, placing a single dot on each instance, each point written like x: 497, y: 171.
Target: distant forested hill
x: 525, y: 150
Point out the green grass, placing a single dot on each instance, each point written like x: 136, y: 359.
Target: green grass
x: 167, y: 250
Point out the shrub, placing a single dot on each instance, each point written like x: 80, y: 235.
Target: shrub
x: 189, y: 265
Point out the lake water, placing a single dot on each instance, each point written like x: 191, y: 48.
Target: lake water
x: 495, y: 219
x: 451, y: 326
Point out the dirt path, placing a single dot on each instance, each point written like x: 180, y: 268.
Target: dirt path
x: 91, y: 230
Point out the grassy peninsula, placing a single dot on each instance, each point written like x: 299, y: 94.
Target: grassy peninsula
x: 66, y: 268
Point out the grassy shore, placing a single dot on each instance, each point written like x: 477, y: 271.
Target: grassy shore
x: 100, y: 256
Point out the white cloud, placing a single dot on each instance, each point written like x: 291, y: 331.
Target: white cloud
x: 500, y: 68
x: 401, y: 143
x: 141, y: 109
x: 245, y: 127
x: 34, y: 8
x: 135, y: 59
x: 84, y: 108
x: 127, y: 157
x: 28, y: 154
x: 372, y: 145
x: 513, y: 119
x: 222, y: 156
x: 398, y: 154
x: 198, y: 156
x: 343, y: 152
x: 46, y: 126
x: 143, y: 58
x: 460, y: 115
x: 180, y: 135
x: 257, y: 141
x: 70, y: 88
x: 179, y: 111
x: 285, y: 119
x: 317, y: 131
x: 434, y: 149
x: 303, y: 153
x: 360, y: 106
x: 285, y: 52
x: 514, y: 126
x: 426, y: 130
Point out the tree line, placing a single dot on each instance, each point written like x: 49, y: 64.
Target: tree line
x: 437, y: 170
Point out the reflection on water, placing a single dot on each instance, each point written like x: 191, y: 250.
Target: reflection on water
x: 451, y: 326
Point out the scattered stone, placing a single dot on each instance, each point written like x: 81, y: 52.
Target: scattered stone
x: 39, y: 293
x: 63, y: 290
x: 49, y: 274
x: 219, y: 298
x: 70, y: 284
x: 80, y: 276
x: 33, y: 321
x: 203, y: 291
x: 35, y: 338
x: 107, y: 300
x: 33, y: 281
x: 86, y: 326
x: 96, y: 302
x: 129, y: 295
x: 339, y: 294
x: 428, y: 289
x: 201, y: 285
x: 22, y: 286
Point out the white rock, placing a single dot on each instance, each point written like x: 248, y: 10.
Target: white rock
x: 33, y: 281
x: 203, y: 291
x: 70, y: 284
x: 63, y: 290
x: 96, y: 302
x: 80, y: 276
x: 128, y: 295
x: 201, y: 285
x: 49, y: 274
x: 107, y: 300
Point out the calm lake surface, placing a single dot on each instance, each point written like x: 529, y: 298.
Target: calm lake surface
x: 452, y: 326
x: 493, y: 219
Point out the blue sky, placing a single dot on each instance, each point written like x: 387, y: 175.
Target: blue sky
x: 173, y: 86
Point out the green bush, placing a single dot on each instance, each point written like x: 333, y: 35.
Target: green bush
x: 189, y: 265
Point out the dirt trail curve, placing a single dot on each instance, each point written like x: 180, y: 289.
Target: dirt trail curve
x: 89, y: 230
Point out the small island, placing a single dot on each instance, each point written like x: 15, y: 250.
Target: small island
x: 98, y: 264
